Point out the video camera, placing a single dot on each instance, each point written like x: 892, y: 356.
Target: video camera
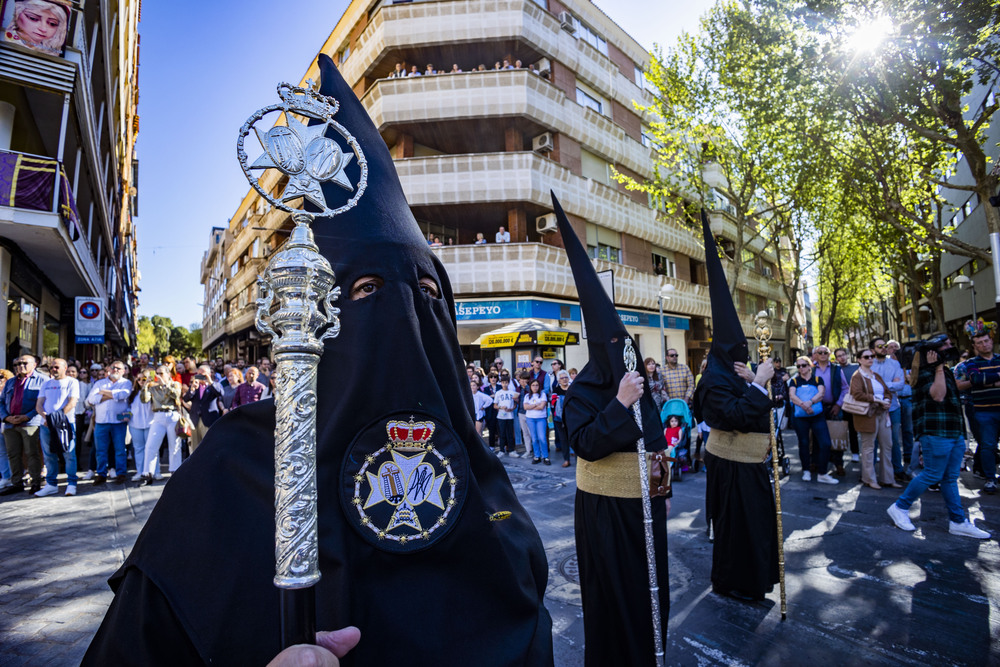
x: 922, y: 347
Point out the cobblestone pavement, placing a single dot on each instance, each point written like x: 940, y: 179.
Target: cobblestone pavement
x: 859, y: 591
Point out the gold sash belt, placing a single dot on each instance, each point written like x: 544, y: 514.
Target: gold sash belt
x: 739, y: 447
x: 617, y: 475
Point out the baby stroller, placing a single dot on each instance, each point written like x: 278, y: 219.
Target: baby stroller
x: 676, y: 407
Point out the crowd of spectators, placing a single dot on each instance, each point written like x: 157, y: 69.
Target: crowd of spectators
x: 533, y: 398
x: 502, y: 236
x: 404, y: 70
x: 96, y: 420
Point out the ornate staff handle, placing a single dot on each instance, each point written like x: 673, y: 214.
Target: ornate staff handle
x: 647, y: 514
x: 301, y: 281
x: 762, y: 332
x: 296, y: 310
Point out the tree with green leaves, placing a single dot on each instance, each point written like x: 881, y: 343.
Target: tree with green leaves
x: 908, y: 66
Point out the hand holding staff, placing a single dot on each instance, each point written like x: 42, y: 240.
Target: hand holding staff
x: 765, y: 371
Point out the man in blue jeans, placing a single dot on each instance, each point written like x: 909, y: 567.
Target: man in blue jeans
x: 59, y: 393
x: 937, y: 421
x: 980, y: 375
x: 108, y: 396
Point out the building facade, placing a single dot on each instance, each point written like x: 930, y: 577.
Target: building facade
x: 543, y: 101
x: 68, y: 176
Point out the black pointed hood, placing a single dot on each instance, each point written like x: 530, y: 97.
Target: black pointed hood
x: 398, y: 457
x: 719, y: 385
x: 597, y: 382
x: 728, y: 339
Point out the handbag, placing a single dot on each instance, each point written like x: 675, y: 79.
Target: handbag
x: 839, y: 439
x: 856, y: 407
x: 184, y: 428
x: 806, y: 392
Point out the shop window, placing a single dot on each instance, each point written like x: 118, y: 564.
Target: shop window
x: 50, y: 337
x: 22, y: 325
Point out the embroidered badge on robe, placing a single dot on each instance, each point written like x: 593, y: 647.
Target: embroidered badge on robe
x: 404, y: 482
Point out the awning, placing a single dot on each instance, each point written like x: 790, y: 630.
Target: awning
x: 527, y: 333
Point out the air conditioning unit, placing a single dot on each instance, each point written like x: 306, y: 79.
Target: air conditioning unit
x: 566, y: 21
x: 546, y: 224
x: 544, y: 67
x: 543, y: 143
x: 767, y: 272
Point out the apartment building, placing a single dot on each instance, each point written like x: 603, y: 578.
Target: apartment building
x: 551, y: 108
x: 68, y: 175
x: 967, y: 284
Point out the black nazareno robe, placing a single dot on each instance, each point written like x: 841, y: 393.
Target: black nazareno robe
x: 423, y: 544
x: 738, y: 496
x: 611, y: 546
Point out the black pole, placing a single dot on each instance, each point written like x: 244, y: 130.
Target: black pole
x: 298, y: 616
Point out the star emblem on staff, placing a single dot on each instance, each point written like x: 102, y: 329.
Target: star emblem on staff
x: 307, y: 156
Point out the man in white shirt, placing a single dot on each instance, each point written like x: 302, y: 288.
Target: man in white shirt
x: 58, y: 394
x: 109, y: 398
x: 503, y: 236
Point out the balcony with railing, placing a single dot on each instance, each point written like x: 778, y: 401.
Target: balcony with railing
x: 38, y: 212
x: 543, y: 270
x: 513, y: 24
x: 527, y: 177
x: 505, y: 94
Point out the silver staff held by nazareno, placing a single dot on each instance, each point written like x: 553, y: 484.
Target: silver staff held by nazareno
x: 762, y: 332
x: 295, y: 307
x: 647, y: 512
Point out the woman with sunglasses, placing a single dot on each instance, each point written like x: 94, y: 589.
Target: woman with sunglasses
x: 805, y: 393
x: 868, y: 386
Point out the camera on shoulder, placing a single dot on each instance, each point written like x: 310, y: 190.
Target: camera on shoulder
x: 935, y: 343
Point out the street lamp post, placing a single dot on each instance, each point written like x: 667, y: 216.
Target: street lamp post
x: 924, y: 309
x: 663, y: 295
x: 962, y: 281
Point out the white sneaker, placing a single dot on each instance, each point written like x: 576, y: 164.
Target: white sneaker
x: 901, y: 517
x: 137, y: 477
x: 71, y: 490
x: 4, y: 483
x: 968, y: 529
x: 806, y: 476
x: 855, y: 457
x: 111, y: 473
x: 47, y: 490
x: 89, y: 474
x: 827, y: 479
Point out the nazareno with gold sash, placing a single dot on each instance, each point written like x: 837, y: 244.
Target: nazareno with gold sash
x: 738, y: 497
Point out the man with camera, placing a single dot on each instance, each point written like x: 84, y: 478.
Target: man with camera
x: 981, y: 375
x: 937, y: 422
x: 202, y: 401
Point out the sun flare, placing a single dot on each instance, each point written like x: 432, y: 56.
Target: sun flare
x: 867, y: 36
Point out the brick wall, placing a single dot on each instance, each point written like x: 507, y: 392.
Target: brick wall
x: 567, y: 153
x: 637, y: 252
x: 627, y: 119
x: 624, y: 63
x: 638, y: 196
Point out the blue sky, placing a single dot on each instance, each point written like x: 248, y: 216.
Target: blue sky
x: 204, y: 68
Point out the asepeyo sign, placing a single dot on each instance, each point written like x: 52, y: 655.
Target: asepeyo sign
x: 89, y: 318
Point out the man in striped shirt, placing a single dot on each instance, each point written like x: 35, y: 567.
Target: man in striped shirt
x: 981, y: 375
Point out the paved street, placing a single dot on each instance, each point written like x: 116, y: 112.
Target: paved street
x: 860, y: 591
